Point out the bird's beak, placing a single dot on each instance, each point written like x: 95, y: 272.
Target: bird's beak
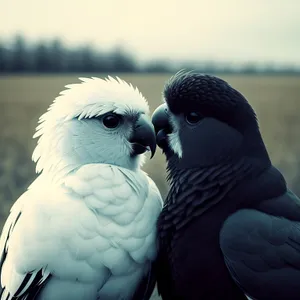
x: 143, y: 138
x: 160, y: 120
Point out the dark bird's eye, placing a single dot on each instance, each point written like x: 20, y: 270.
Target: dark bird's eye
x: 193, y: 117
x: 111, y: 121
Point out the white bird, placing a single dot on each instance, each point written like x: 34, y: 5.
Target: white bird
x: 86, y: 227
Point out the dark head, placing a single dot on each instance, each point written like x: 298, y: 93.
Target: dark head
x: 206, y: 122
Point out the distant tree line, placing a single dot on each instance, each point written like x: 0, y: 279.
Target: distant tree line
x: 52, y: 56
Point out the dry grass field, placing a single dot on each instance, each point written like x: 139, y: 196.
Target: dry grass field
x: 23, y: 99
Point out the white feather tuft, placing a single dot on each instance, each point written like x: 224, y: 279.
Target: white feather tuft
x: 173, y: 138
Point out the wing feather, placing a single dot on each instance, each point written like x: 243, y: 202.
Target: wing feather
x: 146, y: 286
x: 30, y: 284
x: 262, y: 253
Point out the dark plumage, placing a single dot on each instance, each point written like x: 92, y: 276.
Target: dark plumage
x: 215, y: 97
x: 229, y: 226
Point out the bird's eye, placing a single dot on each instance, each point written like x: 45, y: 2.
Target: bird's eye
x: 111, y: 121
x: 193, y: 117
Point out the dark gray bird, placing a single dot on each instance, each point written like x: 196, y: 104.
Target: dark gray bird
x: 230, y: 228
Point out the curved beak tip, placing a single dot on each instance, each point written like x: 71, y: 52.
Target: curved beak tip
x: 144, y: 138
x: 152, y: 150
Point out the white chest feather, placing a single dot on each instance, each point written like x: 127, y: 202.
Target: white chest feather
x: 98, y: 231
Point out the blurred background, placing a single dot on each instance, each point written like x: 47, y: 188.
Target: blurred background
x: 45, y: 45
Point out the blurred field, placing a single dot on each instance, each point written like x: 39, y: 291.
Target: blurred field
x: 23, y: 99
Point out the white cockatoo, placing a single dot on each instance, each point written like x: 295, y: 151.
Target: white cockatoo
x: 86, y: 227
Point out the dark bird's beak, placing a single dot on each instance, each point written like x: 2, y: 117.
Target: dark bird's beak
x: 160, y: 120
x: 143, y: 138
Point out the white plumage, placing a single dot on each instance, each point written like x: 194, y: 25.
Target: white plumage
x: 86, y: 227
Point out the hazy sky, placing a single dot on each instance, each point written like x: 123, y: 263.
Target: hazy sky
x: 230, y: 30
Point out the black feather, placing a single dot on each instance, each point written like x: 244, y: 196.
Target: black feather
x: 209, y: 95
x: 34, y: 289
x: 37, y: 283
x: 4, y: 250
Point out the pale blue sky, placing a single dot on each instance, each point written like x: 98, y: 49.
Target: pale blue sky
x: 230, y: 30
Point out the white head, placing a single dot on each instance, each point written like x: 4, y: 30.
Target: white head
x: 95, y: 121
